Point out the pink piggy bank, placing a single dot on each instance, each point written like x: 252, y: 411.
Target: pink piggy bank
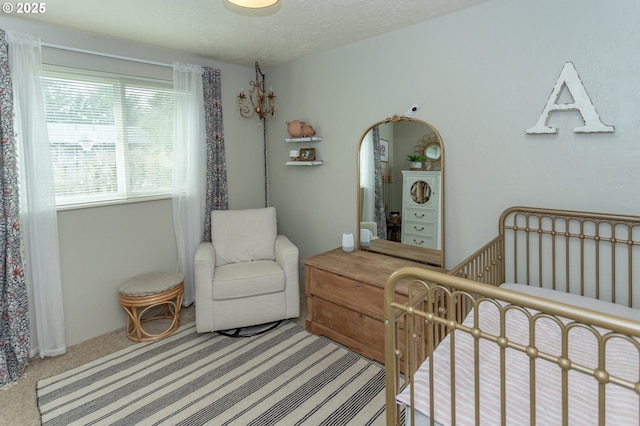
x: 307, y: 131
x: 295, y: 128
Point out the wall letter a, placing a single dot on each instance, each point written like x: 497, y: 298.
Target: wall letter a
x: 581, y: 102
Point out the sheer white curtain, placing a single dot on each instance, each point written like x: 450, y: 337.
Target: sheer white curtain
x: 367, y: 182
x: 188, y: 169
x: 39, y: 219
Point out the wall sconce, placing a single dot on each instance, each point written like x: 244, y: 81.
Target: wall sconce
x: 262, y: 104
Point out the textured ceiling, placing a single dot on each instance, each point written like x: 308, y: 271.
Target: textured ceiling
x: 211, y: 28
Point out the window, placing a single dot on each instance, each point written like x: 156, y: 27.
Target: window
x: 111, y: 136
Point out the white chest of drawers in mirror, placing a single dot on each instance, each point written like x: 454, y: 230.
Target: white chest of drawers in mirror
x: 421, y: 200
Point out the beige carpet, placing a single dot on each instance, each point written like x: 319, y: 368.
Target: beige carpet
x: 18, y: 402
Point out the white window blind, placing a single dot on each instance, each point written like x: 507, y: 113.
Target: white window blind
x: 111, y: 136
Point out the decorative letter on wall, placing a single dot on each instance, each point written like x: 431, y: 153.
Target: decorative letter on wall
x: 581, y: 102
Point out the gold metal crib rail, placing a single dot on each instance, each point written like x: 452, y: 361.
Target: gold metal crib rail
x: 415, y: 328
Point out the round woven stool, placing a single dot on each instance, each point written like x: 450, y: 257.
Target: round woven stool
x: 151, y: 297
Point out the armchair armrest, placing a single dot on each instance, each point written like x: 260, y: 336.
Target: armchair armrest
x: 204, y: 268
x: 287, y: 256
x: 286, y: 253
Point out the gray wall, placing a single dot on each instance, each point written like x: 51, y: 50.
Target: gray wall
x: 482, y: 76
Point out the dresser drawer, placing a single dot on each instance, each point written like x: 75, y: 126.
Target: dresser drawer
x: 420, y: 215
x: 419, y: 240
x: 346, y: 322
x: 347, y: 292
x: 424, y: 229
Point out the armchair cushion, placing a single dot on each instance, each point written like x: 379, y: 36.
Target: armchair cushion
x: 243, y: 235
x: 240, y: 280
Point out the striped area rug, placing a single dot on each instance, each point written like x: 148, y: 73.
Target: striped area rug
x: 286, y: 376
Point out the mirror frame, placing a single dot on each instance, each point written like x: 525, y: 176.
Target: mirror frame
x: 427, y: 256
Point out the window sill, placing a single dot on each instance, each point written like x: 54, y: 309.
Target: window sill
x: 95, y: 204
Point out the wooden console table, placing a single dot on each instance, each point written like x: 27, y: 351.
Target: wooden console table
x: 345, y: 297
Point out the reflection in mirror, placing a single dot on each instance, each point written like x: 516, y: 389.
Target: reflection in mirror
x: 402, y: 209
x: 432, y: 152
x: 420, y: 192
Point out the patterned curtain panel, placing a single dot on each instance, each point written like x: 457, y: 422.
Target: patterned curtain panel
x: 216, y: 195
x: 379, y: 215
x: 14, y: 318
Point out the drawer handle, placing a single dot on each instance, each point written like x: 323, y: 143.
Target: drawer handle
x: 418, y: 229
x: 418, y: 242
x: 419, y: 216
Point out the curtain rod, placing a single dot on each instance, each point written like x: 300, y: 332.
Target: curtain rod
x: 107, y: 55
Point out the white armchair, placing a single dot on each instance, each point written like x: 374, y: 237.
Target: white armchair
x: 247, y: 274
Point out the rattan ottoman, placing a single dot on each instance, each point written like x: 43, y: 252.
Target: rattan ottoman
x: 151, y: 297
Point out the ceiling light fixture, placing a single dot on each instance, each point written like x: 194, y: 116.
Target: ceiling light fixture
x: 253, y: 4
x: 263, y: 104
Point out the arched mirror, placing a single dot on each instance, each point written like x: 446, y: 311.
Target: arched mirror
x: 401, y: 190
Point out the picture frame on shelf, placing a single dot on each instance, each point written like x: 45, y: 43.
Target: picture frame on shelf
x: 307, y: 154
x: 384, y: 150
